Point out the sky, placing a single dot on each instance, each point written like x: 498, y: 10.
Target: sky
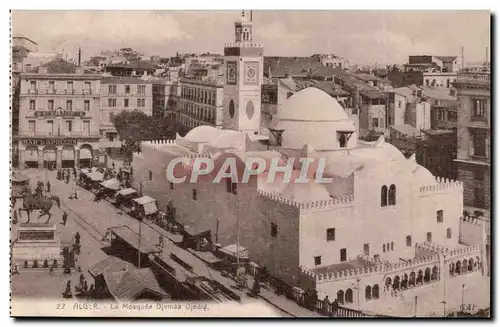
x: 364, y: 37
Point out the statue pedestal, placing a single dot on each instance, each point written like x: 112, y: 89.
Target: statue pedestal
x: 36, y: 242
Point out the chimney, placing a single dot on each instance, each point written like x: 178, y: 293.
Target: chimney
x: 79, y: 57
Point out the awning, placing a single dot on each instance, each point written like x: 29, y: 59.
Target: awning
x: 232, y: 249
x: 85, y: 153
x: 18, y: 177
x: 85, y: 171
x: 127, y: 191
x: 112, y: 184
x: 144, y: 200
x: 49, y: 155
x: 96, y: 176
x: 150, y: 208
x: 31, y: 155
x: 68, y: 154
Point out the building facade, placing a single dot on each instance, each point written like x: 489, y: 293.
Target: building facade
x: 200, y: 103
x: 120, y: 94
x: 474, y: 135
x: 59, y: 116
x: 302, y: 232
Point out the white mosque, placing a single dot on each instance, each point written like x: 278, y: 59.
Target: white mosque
x: 384, y: 225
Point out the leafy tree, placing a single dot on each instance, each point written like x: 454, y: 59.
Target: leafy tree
x: 135, y: 126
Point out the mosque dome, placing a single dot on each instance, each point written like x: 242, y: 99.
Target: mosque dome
x: 312, y: 104
x: 423, y: 176
x: 202, y: 134
x: 313, y: 117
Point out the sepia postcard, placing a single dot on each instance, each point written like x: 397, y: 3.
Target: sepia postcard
x: 252, y: 163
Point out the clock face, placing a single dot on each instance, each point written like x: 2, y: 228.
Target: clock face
x: 251, y: 73
x: 231, y: 73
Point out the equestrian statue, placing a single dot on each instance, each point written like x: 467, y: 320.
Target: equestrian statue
x: 40, y: 202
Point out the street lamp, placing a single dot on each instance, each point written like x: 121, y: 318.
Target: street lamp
x: 416, y: 303
x: 139, y: 245
x: 463, y: 291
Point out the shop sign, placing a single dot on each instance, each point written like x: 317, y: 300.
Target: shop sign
x: 50, y: 142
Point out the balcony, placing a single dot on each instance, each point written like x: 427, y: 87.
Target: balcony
x: 52, y: 91
x: 57, y: 113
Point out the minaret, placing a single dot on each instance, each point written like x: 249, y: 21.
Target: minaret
x: 244, y: 77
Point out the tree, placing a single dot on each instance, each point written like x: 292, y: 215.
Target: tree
x: 135, y: 126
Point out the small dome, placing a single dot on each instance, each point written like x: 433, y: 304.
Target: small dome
x: 306, y: 192
x: 423, y: 176
x: 202, y: 134
x: 312, y: 104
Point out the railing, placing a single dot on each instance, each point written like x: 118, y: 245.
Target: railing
x: 310, y: 300
x: 61, y: 91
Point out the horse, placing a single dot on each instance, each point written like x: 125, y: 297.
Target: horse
x: 33, y: 202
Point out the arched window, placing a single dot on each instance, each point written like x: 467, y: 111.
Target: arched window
x: 375, y: 292
x: 397, y: 283
x: 388, y: 282
x: 392, y: 246
x: 231, y: 108
x: 368, y: 292
x: 435, y: 272
x: 429, y: 237
x: 470, y: 267
x: 340, y: 297
x: 427, y: 275
x: 448, y: 233
x: 392, y: 195
x: 383, y: 196
x: 408, y: 240
x: 348, y: 296
x: 383, y: 248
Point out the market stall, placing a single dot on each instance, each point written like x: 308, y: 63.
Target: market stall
x: 108, y: 188
x: 124, y: 197
x: 146, y: 206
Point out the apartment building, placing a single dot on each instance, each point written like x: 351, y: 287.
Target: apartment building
x: 119, y: 94
x: 200, y: 103
x: 59, y: 116
x: 474, y: 136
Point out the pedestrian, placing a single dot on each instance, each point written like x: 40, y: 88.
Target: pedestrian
x: 160, y: 241
x: 113, y: 165
x: 74, y: 171
x: 73, y: 194
x: 326, y: 306
x: 15, y: 269
x: 82, y: 279
x: 255, y: 288
x: 77, y: 238
x: 67, y: 178
x: 85, y: 286
x: 64, y: 218
x: 67, y: 292
x: 48, y: 186
x: 14, y: 218
x: 51, y: 270
x: 335, y: 307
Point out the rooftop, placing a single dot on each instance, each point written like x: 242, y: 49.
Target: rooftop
x: 353, y: 264
x: 124, y: 80
x: 59, y: 66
